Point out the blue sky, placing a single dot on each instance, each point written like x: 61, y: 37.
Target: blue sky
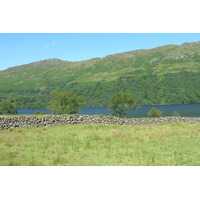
x: 18, y: 48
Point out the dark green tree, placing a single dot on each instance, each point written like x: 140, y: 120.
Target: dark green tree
x: 154, y: 112
x: 65, y: 102
x: 121, y: 102
x: 8, y: 107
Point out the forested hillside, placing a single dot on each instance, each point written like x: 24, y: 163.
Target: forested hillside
x: 164, y: 75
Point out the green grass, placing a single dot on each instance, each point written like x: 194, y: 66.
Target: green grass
x: 102, y: 145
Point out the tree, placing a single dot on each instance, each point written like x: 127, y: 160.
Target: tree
x: 65, y: 102
x: 154, y: 113
x: 121, y: 102
x: 8, y: 108
x: 0, y: 110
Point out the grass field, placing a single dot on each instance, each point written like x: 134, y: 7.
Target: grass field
x: 102, y: 145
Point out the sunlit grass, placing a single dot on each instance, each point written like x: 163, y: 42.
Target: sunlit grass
x: 102, y: 145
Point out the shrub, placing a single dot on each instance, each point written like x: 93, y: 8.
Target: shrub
x: 176, y: 114
x: 154, y: 113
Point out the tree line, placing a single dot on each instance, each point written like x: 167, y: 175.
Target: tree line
x: 148, y: 88
x: 67, y: 102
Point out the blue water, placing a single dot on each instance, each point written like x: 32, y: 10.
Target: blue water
x: 187, y: 110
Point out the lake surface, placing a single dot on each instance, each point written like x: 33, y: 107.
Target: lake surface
x: 186, y: 110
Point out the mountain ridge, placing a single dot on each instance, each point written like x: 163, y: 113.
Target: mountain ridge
x: 58, y: 59
x: 132, y: 51
x: 161, y: 75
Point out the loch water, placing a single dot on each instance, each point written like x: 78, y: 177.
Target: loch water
x: 185, y: 110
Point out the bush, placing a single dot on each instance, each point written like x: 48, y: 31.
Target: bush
x: 154, y: 113
x: 1, y: 111
x: 176, y: 114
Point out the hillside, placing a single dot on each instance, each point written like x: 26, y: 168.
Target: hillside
x: 163, y: 75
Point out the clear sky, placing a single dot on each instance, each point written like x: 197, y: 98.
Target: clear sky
x: 18, y: 48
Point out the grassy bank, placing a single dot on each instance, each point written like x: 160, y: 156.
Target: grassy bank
x: 164, y: 144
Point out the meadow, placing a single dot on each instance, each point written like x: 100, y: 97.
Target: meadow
x: 172, y: 144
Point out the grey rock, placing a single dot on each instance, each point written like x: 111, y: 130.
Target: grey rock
x: 21, y: 122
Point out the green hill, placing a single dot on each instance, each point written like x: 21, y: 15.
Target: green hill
x: 164, y: 75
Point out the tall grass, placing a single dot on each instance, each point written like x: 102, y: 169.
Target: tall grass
x: 102, y: 145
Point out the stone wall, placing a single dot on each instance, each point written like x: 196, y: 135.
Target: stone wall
x: 20, y: 122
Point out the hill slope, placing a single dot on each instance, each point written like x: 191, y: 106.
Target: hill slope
x: 162, y: 75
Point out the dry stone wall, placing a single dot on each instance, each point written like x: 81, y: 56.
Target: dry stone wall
x: 36, y: 121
